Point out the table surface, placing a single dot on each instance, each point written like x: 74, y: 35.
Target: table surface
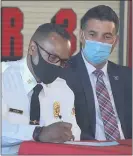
x: 29, y: 147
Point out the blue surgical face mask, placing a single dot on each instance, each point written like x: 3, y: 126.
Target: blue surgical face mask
x: 96, y: 52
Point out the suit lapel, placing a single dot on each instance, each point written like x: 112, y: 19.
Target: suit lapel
x: 85, y: 80
x: 117, y: 91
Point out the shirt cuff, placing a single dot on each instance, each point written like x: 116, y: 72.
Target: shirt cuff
x: 17, y: 131
x: 27, y: 131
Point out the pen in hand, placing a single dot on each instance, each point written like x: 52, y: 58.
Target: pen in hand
x: 60, y: 117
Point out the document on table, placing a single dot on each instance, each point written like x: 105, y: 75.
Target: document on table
x: 111, y: 143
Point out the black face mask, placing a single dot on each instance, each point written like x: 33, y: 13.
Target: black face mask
x: 45, y: 71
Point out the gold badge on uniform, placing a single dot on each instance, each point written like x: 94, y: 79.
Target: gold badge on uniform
x: 73, y: 111
x: 56, y: 107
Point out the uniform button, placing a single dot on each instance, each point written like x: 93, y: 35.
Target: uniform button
x: 48, y: 85
x: 29, y: 81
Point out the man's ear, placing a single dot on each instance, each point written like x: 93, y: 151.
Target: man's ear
x: 32, y: 50
x: 116, y: 40
x: 81, y: 37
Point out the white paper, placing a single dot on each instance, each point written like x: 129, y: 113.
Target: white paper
x: 111, y: 143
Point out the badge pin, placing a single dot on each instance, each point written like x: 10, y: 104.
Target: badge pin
x: 56, y: 107
x: 29, y: 81
x: 73, y: 111
x: 116, y: 77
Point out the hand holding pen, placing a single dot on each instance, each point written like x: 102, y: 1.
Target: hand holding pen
x: 72, y: 138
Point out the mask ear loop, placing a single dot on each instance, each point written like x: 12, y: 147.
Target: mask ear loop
x: 35, y: 60
x: 114, y: 41
x: 83, y: 47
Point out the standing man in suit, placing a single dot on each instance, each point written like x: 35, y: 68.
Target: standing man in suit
x: 103, y: 100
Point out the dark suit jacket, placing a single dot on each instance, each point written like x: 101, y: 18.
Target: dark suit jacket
x: 78, y: 80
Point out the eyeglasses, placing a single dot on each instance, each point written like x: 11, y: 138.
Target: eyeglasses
x: 54, y: 58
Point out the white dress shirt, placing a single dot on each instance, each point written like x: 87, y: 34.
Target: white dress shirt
x: 17, y: 88
x: 100, y: 135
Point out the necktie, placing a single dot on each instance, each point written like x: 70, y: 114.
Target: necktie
x: 35, y: 105
x: 106, y: 109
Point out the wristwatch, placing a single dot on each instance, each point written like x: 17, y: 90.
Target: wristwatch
x: 37, y: 132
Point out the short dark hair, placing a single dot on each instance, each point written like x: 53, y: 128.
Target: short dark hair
x: 44, y: 30
x: 100, y: 12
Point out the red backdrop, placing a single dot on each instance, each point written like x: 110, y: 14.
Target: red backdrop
x: 12, y: 24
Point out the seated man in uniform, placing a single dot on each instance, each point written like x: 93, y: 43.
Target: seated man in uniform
x: 36, y: 103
